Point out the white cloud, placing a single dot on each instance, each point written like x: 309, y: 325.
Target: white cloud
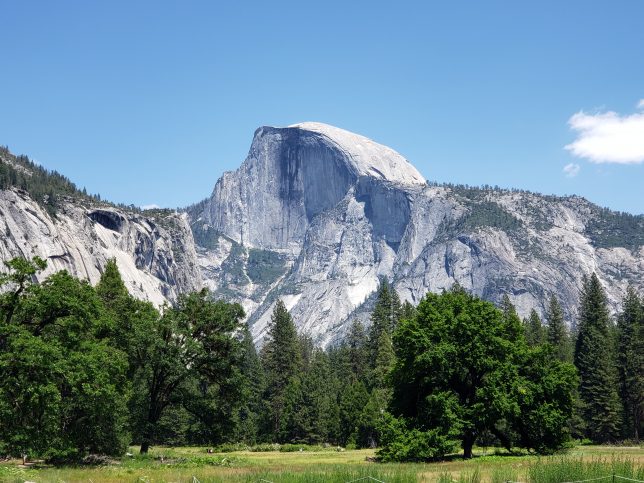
x: 571, y: 170
x: 609, y: 137
x: 150, y: 207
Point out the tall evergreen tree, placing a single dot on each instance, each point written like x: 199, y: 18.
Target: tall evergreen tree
x: 557, y: 333
x: 312, y: 417
x: 254, y: 379
x: 110, y: 287
x: 282, y: 360
x: 356, y: 342
x: 384, y: 318
x: 631, y: 363
x: 595, y: 361
x: 535, y: 333
x: 407, y: 311
x: 384, y: 362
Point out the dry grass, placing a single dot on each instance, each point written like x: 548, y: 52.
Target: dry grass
x: 181, y: 464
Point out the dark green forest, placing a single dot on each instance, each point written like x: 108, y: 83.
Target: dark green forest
x: 91, y: 370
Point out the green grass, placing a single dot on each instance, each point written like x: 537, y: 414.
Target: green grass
x: 330, y: 465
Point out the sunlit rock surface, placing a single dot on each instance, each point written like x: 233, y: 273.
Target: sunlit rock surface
x: 322, y: 213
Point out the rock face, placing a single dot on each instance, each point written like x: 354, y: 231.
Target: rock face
x: 155, y: 254
x: 291, y: 176
x: 316, y: 215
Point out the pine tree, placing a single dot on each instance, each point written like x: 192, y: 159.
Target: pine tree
x: 384, y: 362
x: 356, y: 350
x: 595, y: 361
x: 556, y: 331
x: 630, y: 358
x: 384, y: 318
x: 535, y: 333
x: 513, y: 323
x: 282, y: 360
x: 110, y: 287
x: 353, y: 399
x: 408, y: 311
x: 255, y: 383
x: 311, y: 413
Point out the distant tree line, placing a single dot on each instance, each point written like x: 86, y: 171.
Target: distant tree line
x: 46, y: 187
x: 90, y: 369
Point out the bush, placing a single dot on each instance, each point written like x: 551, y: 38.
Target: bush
x: 403, y: 444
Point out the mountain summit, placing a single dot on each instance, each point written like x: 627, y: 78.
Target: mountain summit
x: 316, y: 215
x: 364, y: 156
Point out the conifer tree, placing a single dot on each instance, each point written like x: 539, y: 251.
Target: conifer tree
x: 407, y: 311
x: 282, y: 360
x: 534, y: 331
x: 631, y: 364
x: 255, y: 384
x: 512, y: 319
x: 353, y: 399
x: 557, y: 333
x: 110, y: 287
x: 356, y: 350
x: 595, y: 361
x: 384, y: 318
x: 311, y: 413
x: 384, y: 362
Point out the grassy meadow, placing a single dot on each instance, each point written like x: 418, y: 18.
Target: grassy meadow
x: 195, y: 464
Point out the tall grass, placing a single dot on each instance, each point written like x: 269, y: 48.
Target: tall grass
x: 558, y: 470
x: 337, y: 474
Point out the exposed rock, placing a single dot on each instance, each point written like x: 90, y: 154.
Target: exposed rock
x: 315, y: 215
x: 155, y: 254
x: 344, y: 211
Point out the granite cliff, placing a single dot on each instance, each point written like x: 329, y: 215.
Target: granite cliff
x: 154, y: 250
x: 316, y: 215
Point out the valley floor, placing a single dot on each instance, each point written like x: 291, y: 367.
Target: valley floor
x: 195, y: 465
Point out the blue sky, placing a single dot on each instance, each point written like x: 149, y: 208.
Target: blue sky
x: 148, y: 102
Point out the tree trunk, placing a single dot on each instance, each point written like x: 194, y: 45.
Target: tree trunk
x: 145, y: 446
x: 468, y: 443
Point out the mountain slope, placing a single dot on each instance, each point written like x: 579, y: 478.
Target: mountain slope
x: 322, y: 213
x: 44, y: 214
x: 316, y: 215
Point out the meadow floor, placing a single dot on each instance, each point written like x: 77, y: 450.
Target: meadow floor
x: 195, y: 465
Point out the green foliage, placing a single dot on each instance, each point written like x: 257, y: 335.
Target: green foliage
x: 545, y: 395
x: 265, y: 266
x: 481, y: 213
x: 282, y: 361
x: 384, y: 318
x: 557, y: 334
x: 89, y: 369
x: 463, y: 368
x: 188, y: 351
x: 608, y: 229
x: 535, y: 332
x: 356, y: 344
x: 595, y: 360
x: 402, y: 443
x: 630, y: 358
x: 64, y: 388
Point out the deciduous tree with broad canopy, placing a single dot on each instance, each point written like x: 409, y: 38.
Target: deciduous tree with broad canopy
x: 463, y: 368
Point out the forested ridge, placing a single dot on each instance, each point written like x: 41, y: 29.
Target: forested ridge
x: 90, y: 370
